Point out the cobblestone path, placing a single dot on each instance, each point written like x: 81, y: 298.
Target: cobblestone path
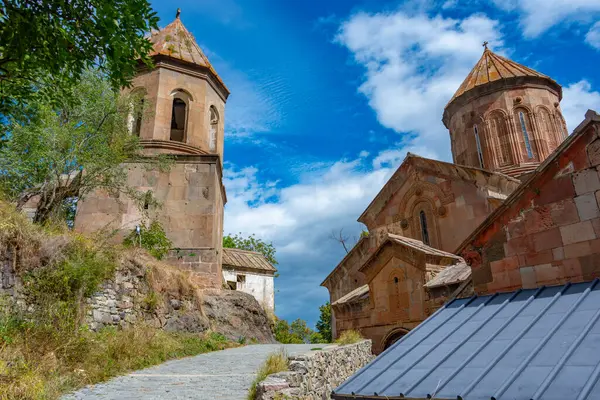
x: 220, y: 375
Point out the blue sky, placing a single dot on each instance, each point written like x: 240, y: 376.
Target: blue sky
x: 328, y: 96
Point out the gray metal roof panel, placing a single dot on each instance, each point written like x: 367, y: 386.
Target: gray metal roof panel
x: 530, y: 344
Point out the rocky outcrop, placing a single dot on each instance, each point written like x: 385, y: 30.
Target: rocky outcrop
x: 145, y: 291
x: 314, y: 375
x: 237, y: 315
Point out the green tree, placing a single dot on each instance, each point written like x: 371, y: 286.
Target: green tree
x: 295, y: 333
x: 46, y: 46
x: 73, y: 148
x: 251, y: 243
x: 284, y: 334
x: 324, y: 322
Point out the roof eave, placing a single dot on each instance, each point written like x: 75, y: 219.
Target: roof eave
x: 495, y: 86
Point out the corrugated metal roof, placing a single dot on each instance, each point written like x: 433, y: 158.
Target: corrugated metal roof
x: 236, y: 258
x: 530, y: 344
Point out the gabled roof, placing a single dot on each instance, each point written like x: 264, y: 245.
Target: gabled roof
x: 503, y: 184
x: 235, y: 258
x: 437, y: 258
x: 176, y: 42
x: 490, y: 68
x: 530, y: 344
x: 360, y: 293
x: 450, y: 275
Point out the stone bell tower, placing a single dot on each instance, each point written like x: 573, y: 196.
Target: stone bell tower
x: 504, y: 117
x: 183, y: 116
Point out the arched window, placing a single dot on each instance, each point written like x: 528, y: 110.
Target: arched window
x: 478, y: 145
x: 524, y: 124
x: 137, y: 117
x: 499, y: 130
x: 548, y: 128
x: 137, y: 111
x: 179, y: 115
x: 424, y: 230
x: 214, y: 128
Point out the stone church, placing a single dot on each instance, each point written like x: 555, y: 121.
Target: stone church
x: 504, y: 121
x: 182, y: 116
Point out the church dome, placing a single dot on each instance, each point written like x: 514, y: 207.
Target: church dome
x: 504, y: 117
x: 494, y: 72
x: 177, y: 43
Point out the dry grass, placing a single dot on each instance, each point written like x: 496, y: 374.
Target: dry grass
x: 277, y: 362
x: 349, y: 337
x: 165, y: 280
x: 34, y: 365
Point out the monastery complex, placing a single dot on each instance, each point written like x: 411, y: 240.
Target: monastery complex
x: 518, y: 208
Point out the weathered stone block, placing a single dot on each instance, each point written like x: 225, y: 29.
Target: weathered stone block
x: 586, y: 181
x: 548, y: 239
x: 577, y: 249
x: 587, y: 206
x: 578, y: 232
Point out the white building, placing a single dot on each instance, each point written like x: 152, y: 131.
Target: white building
x: 250, y: 272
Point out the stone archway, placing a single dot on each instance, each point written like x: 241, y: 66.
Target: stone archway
x: 393, y: 336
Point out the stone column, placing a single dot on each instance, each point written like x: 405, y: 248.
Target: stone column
x: 491, y: 141
x: 540, y: 140
x: 514, y: 140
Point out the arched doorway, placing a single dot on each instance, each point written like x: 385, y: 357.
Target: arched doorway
x: 393, y: 336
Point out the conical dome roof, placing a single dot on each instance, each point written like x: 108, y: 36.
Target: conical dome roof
x: 176, y: 42
x: 490, y: 68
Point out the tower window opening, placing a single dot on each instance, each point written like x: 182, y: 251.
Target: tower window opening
x: 137, y: 115
x: 178, y: 120
x: 424, y: 231
x: 478, y: 144
x: 525, y: 135
x: 147, y: 200
x: 214, y: 128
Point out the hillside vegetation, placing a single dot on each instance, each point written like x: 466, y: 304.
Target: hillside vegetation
x: 45, y: 347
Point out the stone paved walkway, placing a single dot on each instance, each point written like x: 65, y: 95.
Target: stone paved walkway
x: 221, y: 375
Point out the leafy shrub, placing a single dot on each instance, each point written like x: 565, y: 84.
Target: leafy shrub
x: 152, y: 238
x: 276, y: 362
x: 349, y: 337
x: 151, y: 300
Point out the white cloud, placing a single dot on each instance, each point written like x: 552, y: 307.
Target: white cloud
x: 577, y: 99
x: 537, y: 16
x: 593, y: 36
x: 414, y: 64
x: 299, y: 218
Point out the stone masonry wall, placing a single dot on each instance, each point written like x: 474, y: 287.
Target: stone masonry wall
x: 548, y: 233
x: 314, y: 375
x: 129, y: 298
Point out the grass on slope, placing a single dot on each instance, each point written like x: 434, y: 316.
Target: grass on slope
x: 37, y: 364
x: 277, y: 362
x: 47, y: 350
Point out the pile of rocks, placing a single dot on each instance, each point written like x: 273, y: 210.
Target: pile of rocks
x: 314, y: 375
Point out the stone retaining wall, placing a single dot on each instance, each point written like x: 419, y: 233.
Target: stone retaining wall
x: 314, y: 375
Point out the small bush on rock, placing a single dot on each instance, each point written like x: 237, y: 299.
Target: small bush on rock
x: 349, y: 337
x: 152, y: 238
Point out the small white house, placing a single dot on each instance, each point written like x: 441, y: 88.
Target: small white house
x: 250, y: 272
